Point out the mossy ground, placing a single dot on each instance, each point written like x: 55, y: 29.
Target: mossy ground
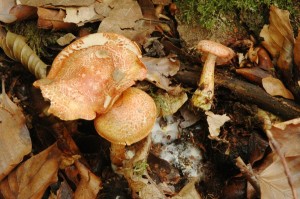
x: 252, y: 13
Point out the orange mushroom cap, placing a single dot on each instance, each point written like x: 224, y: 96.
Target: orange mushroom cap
x: 90, y: 74
x: 223, y: 53
x: 129, y: 120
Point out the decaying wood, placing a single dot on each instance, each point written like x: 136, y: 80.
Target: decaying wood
x: 246, y: 92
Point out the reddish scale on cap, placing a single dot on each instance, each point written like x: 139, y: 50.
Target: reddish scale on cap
x: 90, y: 74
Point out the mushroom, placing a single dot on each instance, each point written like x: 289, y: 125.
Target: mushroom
x: 88, y: 76
x: 218, y: 54
x: 130, y: 119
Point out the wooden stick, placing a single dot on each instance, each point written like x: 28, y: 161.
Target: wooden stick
x: 246, y: 92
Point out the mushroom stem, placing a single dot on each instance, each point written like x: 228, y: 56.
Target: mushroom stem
x: 117, y: 154
x: 203, y: 96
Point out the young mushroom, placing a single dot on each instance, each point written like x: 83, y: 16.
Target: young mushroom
x: 216, y: 54
x: 88, y: 76
x: 130, y: 119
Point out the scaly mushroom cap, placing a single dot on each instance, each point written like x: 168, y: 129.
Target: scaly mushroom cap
x: 90, y: 74
x: 223, y: 53
x: 130, y: 119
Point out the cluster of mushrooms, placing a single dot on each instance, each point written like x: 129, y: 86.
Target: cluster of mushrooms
x: 91, y: 79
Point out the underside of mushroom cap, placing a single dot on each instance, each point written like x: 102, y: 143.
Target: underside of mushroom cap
x: 129, y: 120
x: 223, y: 53
x: 90, y: 74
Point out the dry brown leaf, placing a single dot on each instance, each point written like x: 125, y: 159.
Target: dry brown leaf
x: 296, y: 51
x: 159, y: 69
x: 15, y: 140
x: 279, y: 39
x: 38, y: 3
x: 89, y: 184
x: 287, y: 134
x: 189, y: 117
x: 125, y: 18
x: 273, y: 180
x: 32, y: 178
x: 215, y: 122
x: 81, y: 15
x: 6, y: 6
x: 189, y: 191
x: 275, y: 87
x: 53, y: 19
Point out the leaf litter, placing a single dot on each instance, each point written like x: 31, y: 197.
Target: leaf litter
x: 179, y: 136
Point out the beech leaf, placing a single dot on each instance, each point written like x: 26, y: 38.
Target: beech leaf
x: 38, y: 3
x: 16, y: 48
x: 81, y: 15
x: 126, y: 18
x: 215, y: 122
x: 275, y: 87
x: 15, y: 140
x: 6, y: 6
x: 279, y: 39
x: 159, y: 71
x: 89, y: 184
x: 32, y: 178
x: 273, y: 180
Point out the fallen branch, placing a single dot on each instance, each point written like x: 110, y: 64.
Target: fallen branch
x: 246, y: 92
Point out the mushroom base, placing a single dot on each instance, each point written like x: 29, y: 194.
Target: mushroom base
x: 202, y: 99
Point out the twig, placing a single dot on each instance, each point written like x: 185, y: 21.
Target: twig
x: 287, y: 171
x: 246, y: 92
x: 248, y: 173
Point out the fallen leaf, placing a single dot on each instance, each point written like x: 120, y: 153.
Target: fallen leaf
x: 53, y: 19
x: 89, y: 184
x: 279, y: 39
x: 254, y: 74
x: 271, y: 175
x: 15, y: 140
x: 32, y: 178
x: 215, y: 121
x: 82, y: 15
x: 275, y: 87
x: 6, y: 6
x: 296, y: 51
x: 168, y: 104
x: 189, y: 117
x: 287, y: 134
x: 273, y: 181
x: 159, y: 69
x: 16, y: 48
x: 66, y: 39
x: 189, y: 191
x: 39, y: 3
x: 126, y: 18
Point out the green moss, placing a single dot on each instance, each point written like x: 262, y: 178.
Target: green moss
x: 37, y: 39
x: 209, y: 13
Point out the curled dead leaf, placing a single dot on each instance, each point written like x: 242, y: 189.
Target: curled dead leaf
x: 15, y: 141
x: 215, y: 122
x: 159, y: 71
x: 275, y: 87
x: 32, y: 178
x: 53, y: 19
x: 16, y: 48
x: 6, y: 6
x: 89, y: 184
